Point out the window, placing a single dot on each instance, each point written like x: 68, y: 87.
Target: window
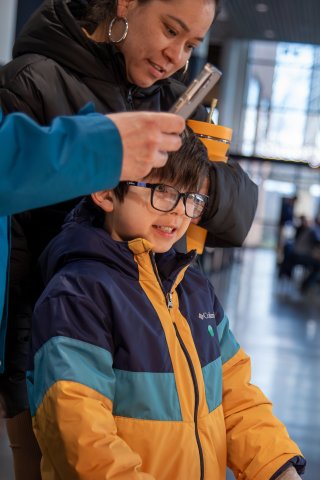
x: 282, y: 104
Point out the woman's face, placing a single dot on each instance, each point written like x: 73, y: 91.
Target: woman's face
x: 161, y: 36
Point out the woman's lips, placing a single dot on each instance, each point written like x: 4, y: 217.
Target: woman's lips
x: 156, y: 70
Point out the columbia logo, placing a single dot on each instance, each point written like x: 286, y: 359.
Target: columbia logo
x: 206, y: 315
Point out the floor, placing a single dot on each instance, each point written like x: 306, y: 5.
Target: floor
x: 280, y: 329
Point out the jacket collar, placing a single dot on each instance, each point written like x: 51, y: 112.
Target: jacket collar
x: 83, y: 238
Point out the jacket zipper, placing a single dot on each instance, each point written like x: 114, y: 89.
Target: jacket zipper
x: 167, y: 295
x: 168, y: 298
x: 196, y: 401
x: 130, y: 99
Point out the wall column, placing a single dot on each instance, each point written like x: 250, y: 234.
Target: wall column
x: 8, y: 15
x: 233, y: 87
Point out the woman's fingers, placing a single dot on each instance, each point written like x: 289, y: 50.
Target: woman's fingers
x: 146, y: 139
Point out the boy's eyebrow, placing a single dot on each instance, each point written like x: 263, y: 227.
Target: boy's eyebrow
x: 183, y: 25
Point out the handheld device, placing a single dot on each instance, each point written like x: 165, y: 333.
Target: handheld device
x: 197, y: 90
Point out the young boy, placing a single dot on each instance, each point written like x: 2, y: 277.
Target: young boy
x: 136, y: 374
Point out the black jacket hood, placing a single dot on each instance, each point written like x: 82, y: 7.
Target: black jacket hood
x: 55, y: 32
x: 83, y: 238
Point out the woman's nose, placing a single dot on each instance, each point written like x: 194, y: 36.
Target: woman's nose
x: 175, y: 53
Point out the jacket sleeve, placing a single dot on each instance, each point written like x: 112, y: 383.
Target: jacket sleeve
x: 46, y: 165
x: 232, y: 205
x: 71, y: 390
x: 258, y: 444
x: 19, y: 101
x: 233, y: 201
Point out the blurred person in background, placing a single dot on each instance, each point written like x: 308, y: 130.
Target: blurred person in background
x: 285, y: 266
x: 300, y: 225
x: 286, y: 218
x: 306, y: 252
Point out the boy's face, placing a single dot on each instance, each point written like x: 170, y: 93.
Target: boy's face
x: 136, y: 218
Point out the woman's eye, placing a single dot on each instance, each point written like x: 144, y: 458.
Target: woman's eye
x: 170, y: 31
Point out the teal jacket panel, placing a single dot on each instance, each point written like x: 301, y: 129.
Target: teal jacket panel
x: 4, y: 249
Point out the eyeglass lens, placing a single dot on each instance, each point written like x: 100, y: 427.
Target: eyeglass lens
x: 165, y: 198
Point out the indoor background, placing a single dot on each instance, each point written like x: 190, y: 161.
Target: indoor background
x: 269, y: 94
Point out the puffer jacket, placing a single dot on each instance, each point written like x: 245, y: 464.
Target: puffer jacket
x: 135, y: 372
x: 57, y: 70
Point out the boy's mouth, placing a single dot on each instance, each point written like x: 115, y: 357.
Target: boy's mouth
x: 165, y: 228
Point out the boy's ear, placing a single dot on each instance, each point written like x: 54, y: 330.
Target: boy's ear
x: 104, y: 199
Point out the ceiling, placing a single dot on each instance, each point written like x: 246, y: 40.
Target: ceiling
x: 277, y: 20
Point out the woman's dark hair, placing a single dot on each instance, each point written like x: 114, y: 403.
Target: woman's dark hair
x: 186, y: 168
x: 99, y: 10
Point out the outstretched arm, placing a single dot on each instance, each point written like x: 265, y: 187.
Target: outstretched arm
x: 78, y: 155
x: 258, y: 444
x: 43, y: 165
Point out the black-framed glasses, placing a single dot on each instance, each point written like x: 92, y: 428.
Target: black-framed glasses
x: 165, y: 198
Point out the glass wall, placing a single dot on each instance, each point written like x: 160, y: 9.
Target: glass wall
x: 278, y: 181
x: 280, y: 120
x: 281, y: 111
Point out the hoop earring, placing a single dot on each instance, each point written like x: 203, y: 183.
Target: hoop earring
x: 185, y: 68
x: 125, y: 32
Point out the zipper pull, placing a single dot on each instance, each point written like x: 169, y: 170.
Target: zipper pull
x: 129, y: 98
x: 169, y: 300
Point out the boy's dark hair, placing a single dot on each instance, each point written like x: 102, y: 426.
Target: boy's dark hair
x: 186, y: 168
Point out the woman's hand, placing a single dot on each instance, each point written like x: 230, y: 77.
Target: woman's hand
x: 146, y: 139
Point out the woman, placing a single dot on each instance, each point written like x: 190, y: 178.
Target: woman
x: 121, y: 57
x: 72, y: 52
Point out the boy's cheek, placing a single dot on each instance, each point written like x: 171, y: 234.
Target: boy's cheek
x: 204, y: 190
x: 184, y: 228
x: 195, y: 220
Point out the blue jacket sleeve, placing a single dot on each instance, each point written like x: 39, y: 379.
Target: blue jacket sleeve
x: 39, y: 166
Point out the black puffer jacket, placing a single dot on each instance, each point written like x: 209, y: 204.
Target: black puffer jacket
x: 57, y: 70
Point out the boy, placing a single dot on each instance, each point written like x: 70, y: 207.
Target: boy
x: 136, y: 374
